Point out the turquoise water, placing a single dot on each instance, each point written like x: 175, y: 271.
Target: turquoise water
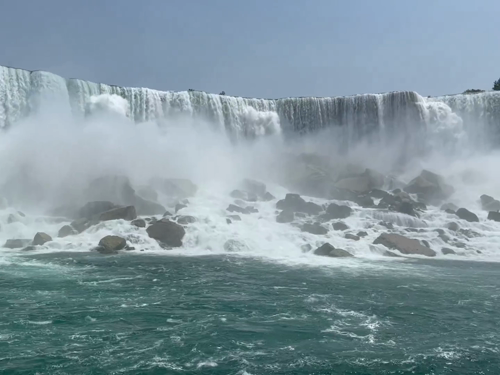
x: 140, y: 314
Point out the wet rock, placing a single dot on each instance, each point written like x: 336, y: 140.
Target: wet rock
x: 379, y: 194
x: 167, y: 232
x: 336, y: 211
x: 469, y: 233
x: 447, y: 251
x: 388, y: 253
x: 489, y: 203
x: 12, y: 219
x: 91, y: 209
x: 314, y: 229
x: 343, y: 194
x: 111, y: 244
x: 430, y: 187
x: 16, y: 243
x: 120, y: 213
x: 179, y: 206
x: 254, y: 187
x: 386, y: 224
x: 295, y: 203
x: 465, y: 214
x: 453, y: 226
x: 66, y: 230
x: 268, y: 197
x: 426, y: 243
x: 285, y: 217
x: 145, y: 207
x: 493, y: 215
x: 167, y: 213
x: 251, y: 210
x: 234, y: 246
x: 350, y: 236
x: 362, y: 234
x: 139, y: 223
x: 234, y: 217
x: 41, y: 238
x: 186, y: 219
x: 340, y: 226
x: 449, y: 207
x: 327, y: 250
x: 306, y: 248
x: 234, y: 208
x: 403, y: 244
x: 365, y: 201
x: 238, y: 194
x: 82, y: 225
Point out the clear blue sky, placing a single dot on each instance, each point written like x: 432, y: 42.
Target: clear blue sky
x: 259, y: 48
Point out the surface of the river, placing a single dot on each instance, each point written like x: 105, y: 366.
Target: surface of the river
x: 140, y: 314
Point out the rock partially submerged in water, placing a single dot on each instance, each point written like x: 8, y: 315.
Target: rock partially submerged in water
x: 120, y: 213
x: 41, y: 239
x: 327, y: 250
x: 430, y: 187
x: 315, y: 228
x: 489, y: 203
x: 494, y: 215
x: 139, y: 223
x: 111, y: 245
x: 17, y: 243
x: 403, y: 244
x: 335, y: 211
x: 66, y: 231
x: 295, y: 203
x: 285, y: 217
x: 91, y: 209
x: 465, y: 214
x: 167, y: 232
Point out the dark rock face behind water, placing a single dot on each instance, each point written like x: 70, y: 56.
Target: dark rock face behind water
x: 403, y: 244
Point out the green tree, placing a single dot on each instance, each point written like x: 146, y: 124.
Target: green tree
x: 496, y: 85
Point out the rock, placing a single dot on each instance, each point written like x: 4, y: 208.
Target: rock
x: 350, y: 236
x: 426, y: 243
x: 306, y: 248
x: 447, y: 251
x: 465, y: 214
x: 167, y: 232
x: 336, y: 211
x: 387, y: 225
x: 120, y: 213
x: 388, y: 253
x: 167, y: 214
x: 362, y: 234
x: 12, y: 219
x: 254, y: 187
x: 469, y: 233
x: 234, y: 217
x: 186, y: 219
x: 492, y: 206
x: 238, y: 194
x: 228, y: 221
x: 327, y: 250
x: 430, y: 187
x: 234, y: 208
x: 340, y: 226
x: 379, y: 194
x: 295, y: 203
x: 179, y: 206
x: 449, y: 207
x: 285, y: 217
x: 148, y: 193
x: 362, y: 183
x: 82, y: 225
x: 111, y: 244
x: 406, y: 208
x: 91, y: 209
x: 314, y: 229
x: 365, y: 201
x: 343, y: 194
x: 493, y: 215
x: 453, y: 226
x: 66, y: 231
x: 16, y: 243
x: 139, y: 223
x: 233, y: 246
x: 175, y: 187
x: 41, y: 238
x: 268, y: 197
x: 144, y: 207
x: 251, y: 210
x: 403, y: 244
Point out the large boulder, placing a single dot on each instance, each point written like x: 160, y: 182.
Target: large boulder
x: 66, y: 230
x: 285, y: 217
x: 82, y: 225
x: 327, y: 250
x: 41, y: 238
x: 489, y: 203
x: 465, y: 214
x: 494, y: 215
x: 430, y: 187
x: 111, y: 244
x: 139, y: 223
x: 362, y: 183
x: 167, y: 232
x: 314, y: 229
x: 405, y: 245
x: 120, y: 213
x: 16, y: 243
x: 295, y: 203
x: 91, y: 209
x: 335, y: 211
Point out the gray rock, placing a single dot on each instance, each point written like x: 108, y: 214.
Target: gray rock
x: 233, y: 246
x: 254, y: 187
x: 430, y: 187
x: 111, y: 244
x: 139, y: 223
x: 268, y: 197
x: 167, y: 214
x: 340, y: 226
x: 489, y: 203
x: 379, y: 194
x: 167, y: 232
x: 285, y: 217
x: 336, y: 211
x: 186, y: 219
x: 295, y: 203
x: 16, y: 243
x: 350, y: 236
x: 447, y: 251
x: 179, y: 206
x: 453, y: 226
x: 493, y: 215
x: 120, y: 213
x: 362, y: 234
x: 82, y: 225
x: 41, y: 238
x: 314, y: 229
x: 234, y: 208
x: 465, y: 214
x: 449, y: 207
x: 403, y: 244
x: 66, y: 230
x: 328, y: 250
x: 91, y: 209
